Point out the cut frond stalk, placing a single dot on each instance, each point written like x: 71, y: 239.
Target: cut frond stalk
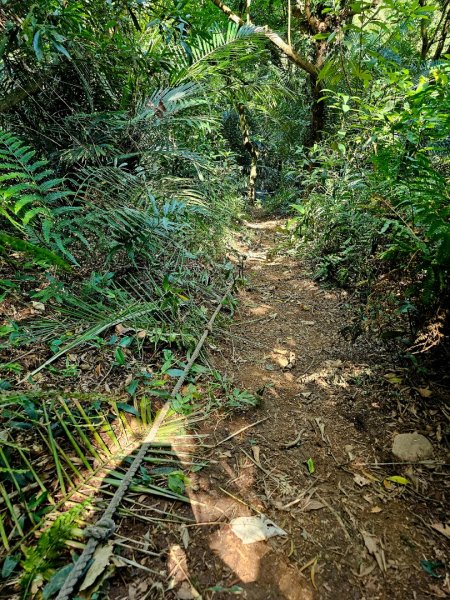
x: 92, y: 450
x: 91, y: 427
x: 3, y: 535
x: 11, y: 510
x: 10, y: 471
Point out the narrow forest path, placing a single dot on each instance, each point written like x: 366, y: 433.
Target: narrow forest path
x: 351, y: 534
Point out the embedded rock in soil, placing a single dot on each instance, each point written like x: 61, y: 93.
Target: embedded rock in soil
x: 410, y: 447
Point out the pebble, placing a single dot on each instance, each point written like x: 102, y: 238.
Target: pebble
x: 411, y: 447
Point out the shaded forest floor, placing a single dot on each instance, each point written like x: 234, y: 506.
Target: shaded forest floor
x: 316, y: 462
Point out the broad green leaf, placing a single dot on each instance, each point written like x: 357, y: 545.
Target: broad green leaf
x: 56, y: 582
x: 9, y: 564
x: 398, y: 479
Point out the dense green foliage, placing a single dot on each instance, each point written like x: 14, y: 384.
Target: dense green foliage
x: 375, y: 209
x: 133, y: 136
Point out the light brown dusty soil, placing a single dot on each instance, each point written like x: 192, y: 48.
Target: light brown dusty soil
x: 351, y: 534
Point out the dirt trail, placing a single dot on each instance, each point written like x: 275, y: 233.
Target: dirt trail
x: 352, y: 534
x: 348, y: 536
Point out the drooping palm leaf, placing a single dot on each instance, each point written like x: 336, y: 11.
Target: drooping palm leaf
x: 61, y: 447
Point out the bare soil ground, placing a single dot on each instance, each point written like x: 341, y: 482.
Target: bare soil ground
x: 325, y: 402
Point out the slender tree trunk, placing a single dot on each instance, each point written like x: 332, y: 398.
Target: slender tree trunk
x: 253, y: 152
x: 247, y: 10
x: 317, y: 113
x: 440, y: 46
x: 312, y: 69
x: 19, y: 94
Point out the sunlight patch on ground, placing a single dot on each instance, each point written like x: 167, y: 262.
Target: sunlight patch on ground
x: 261, y: 311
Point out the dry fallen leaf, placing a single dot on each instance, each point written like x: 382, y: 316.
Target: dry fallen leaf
x: 373, y: 545
x: 393, y: 378
x: 444, y: 529
x: 187, y: 592
x: 425, y: 392
x: 389, y: 485
x: 376, y: 509
x: 38, y: 306
x: 120, y: 329
x: 255, y: 529
x: 313, y: 505
x: 364, y: 571
x: 226, y: 454
x: 255, y: 452
x: 292, y: 361
x: 360, y: 480
x: 185, y: 536
x: 100, y: 561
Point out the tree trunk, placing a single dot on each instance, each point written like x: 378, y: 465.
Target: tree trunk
x: 317, y: 113
x: 253, y: 152
x: 19, y: 94
x: 312, y: 69
x: 444, y: 33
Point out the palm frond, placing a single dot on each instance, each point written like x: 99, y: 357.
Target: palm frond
x: 65, y: 450
x: 213, y: 54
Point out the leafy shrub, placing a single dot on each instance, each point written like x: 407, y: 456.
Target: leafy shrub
x: 377, y: 220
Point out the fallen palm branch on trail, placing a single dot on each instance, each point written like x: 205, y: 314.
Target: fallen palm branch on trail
x: 82, y: 447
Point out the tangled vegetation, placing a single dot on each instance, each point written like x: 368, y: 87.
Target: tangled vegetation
x: 133, y: 136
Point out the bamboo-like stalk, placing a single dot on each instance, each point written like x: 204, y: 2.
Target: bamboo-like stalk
x: 90, y: 447
x: 16, y: 484
x: 10, y: 507
x: 91, y: 427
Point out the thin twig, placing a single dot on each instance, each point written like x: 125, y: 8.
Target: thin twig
x: 295, y: 441
x: 241, y: 501
x: 259, y: 465
x: 336, y: 515
x: 141, y: 550
x: 232, y: 435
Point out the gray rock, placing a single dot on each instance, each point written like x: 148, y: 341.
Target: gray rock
x: 411, y: 447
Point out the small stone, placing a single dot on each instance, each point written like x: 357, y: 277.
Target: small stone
x: 411, y: 447
x: 38, y: 306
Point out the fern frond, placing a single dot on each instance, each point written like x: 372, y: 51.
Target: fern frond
x: 27, y: 203
x: 40, y: 254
